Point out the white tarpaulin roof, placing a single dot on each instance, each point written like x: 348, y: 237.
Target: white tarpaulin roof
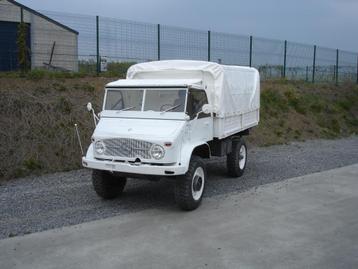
x: 154, y: 83
x: 232, y: 90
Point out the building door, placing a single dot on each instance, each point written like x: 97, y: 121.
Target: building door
x: 8, y: 45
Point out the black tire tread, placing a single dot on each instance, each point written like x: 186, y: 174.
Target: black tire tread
x: 107, y: 185
x: 232, y: 161
x: 183, y: 194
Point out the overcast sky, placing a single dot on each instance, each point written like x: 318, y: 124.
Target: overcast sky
x: 329, y: 23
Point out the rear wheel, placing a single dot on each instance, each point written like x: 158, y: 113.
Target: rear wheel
x: 236, y: 159
x: 107, y: 185
x: 189, y: 188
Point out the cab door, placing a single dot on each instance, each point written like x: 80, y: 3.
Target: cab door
x: 200, y: 125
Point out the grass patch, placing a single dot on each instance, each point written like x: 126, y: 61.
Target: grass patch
x: 273, y: 103
x: 295, y: 101
x: 64, y: 105
x: 299, y: 111
x: 118, y: 70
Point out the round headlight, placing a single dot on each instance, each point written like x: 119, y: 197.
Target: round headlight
x: 157, y: 152
x: 99, y: 147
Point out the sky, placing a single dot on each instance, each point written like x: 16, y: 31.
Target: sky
x: 327, y: 23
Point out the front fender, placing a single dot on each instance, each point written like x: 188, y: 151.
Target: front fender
x: 187, y: 151
x: 89, y: 154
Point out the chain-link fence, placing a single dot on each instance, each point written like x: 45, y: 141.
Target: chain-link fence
x: 102, y: 43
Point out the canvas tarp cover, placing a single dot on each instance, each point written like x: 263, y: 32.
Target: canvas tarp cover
x: 232, y: 90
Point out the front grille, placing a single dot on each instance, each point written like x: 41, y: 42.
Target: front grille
x: 127, y: 147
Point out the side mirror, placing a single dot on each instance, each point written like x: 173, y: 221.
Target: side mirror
x: 89, y: 107
x: 207, y: 109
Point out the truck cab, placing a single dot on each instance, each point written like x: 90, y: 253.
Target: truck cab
x: 158, y: 127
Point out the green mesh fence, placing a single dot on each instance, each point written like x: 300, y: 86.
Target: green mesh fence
x: 268, y: 57
x: 181, y: 43
x: 325, y: 64
x: 110, y: 41
x: 348, y: 66
x: 229, y: 49
x: 299, y: 61
x: 127, y: 40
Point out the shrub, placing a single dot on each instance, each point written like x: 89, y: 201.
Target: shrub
x: 64, y: 105
x: 273, y: 101
x: 23, y: 50
x: 32, y: 164
x: 295, y: 101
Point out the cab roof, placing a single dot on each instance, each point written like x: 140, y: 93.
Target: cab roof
x: 122, y: 83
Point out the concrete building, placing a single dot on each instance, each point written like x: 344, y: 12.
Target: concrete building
x: 50, y: 44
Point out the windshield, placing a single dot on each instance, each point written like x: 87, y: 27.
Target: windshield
x: 158, y: 100
x: 165, y: 100
x: 124, y: 100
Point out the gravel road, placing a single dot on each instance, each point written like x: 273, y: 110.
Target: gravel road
x: 35, y: 204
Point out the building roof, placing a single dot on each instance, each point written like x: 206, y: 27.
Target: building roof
x: 43, y: 16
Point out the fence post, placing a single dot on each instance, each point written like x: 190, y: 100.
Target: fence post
x: 314, y: 63
x: 337, y: 67
x: 357, y: 69
x: 158, y: 33
x: 209, y: 45
x: 97, y: 44
x: 21, y: 15
x: 334, y: 73
x: 284, y: 60
x: 306, y: 73
x: 250, y: 57
x: 22, y: 52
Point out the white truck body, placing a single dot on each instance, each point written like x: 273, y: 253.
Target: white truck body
x: 168, y: 115
x: 233, y: 91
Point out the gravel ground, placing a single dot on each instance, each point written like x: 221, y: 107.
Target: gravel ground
x: 35, y: 204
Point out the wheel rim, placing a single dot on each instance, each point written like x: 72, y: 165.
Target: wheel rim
x: 242, y: 159
x: 197, y: 184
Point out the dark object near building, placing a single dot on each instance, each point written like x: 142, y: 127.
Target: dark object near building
x: 9, y: 47
x: 49, y: 44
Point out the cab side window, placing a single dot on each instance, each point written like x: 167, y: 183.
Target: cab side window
x: 196, y: 100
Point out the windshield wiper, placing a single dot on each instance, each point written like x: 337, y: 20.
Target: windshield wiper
x: 125, y: 109
x: 120, y: 100
x: 171, y: 108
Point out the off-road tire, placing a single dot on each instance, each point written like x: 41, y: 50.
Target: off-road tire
x: 234, y: 157
x: 184, y: 185
x: 107, y: 185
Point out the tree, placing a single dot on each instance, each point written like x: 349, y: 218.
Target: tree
x: 23, y: 50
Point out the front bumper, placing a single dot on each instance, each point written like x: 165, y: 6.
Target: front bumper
x: 131, y: 168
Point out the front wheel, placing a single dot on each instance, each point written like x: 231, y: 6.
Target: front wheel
x: 189, y: 188
x: 236, y: 159
x: 107, y: 185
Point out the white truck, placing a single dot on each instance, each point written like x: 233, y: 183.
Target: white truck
x: 165, y: 118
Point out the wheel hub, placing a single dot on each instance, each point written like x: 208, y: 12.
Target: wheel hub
x: 242, y: 157
x: 198, y: 182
